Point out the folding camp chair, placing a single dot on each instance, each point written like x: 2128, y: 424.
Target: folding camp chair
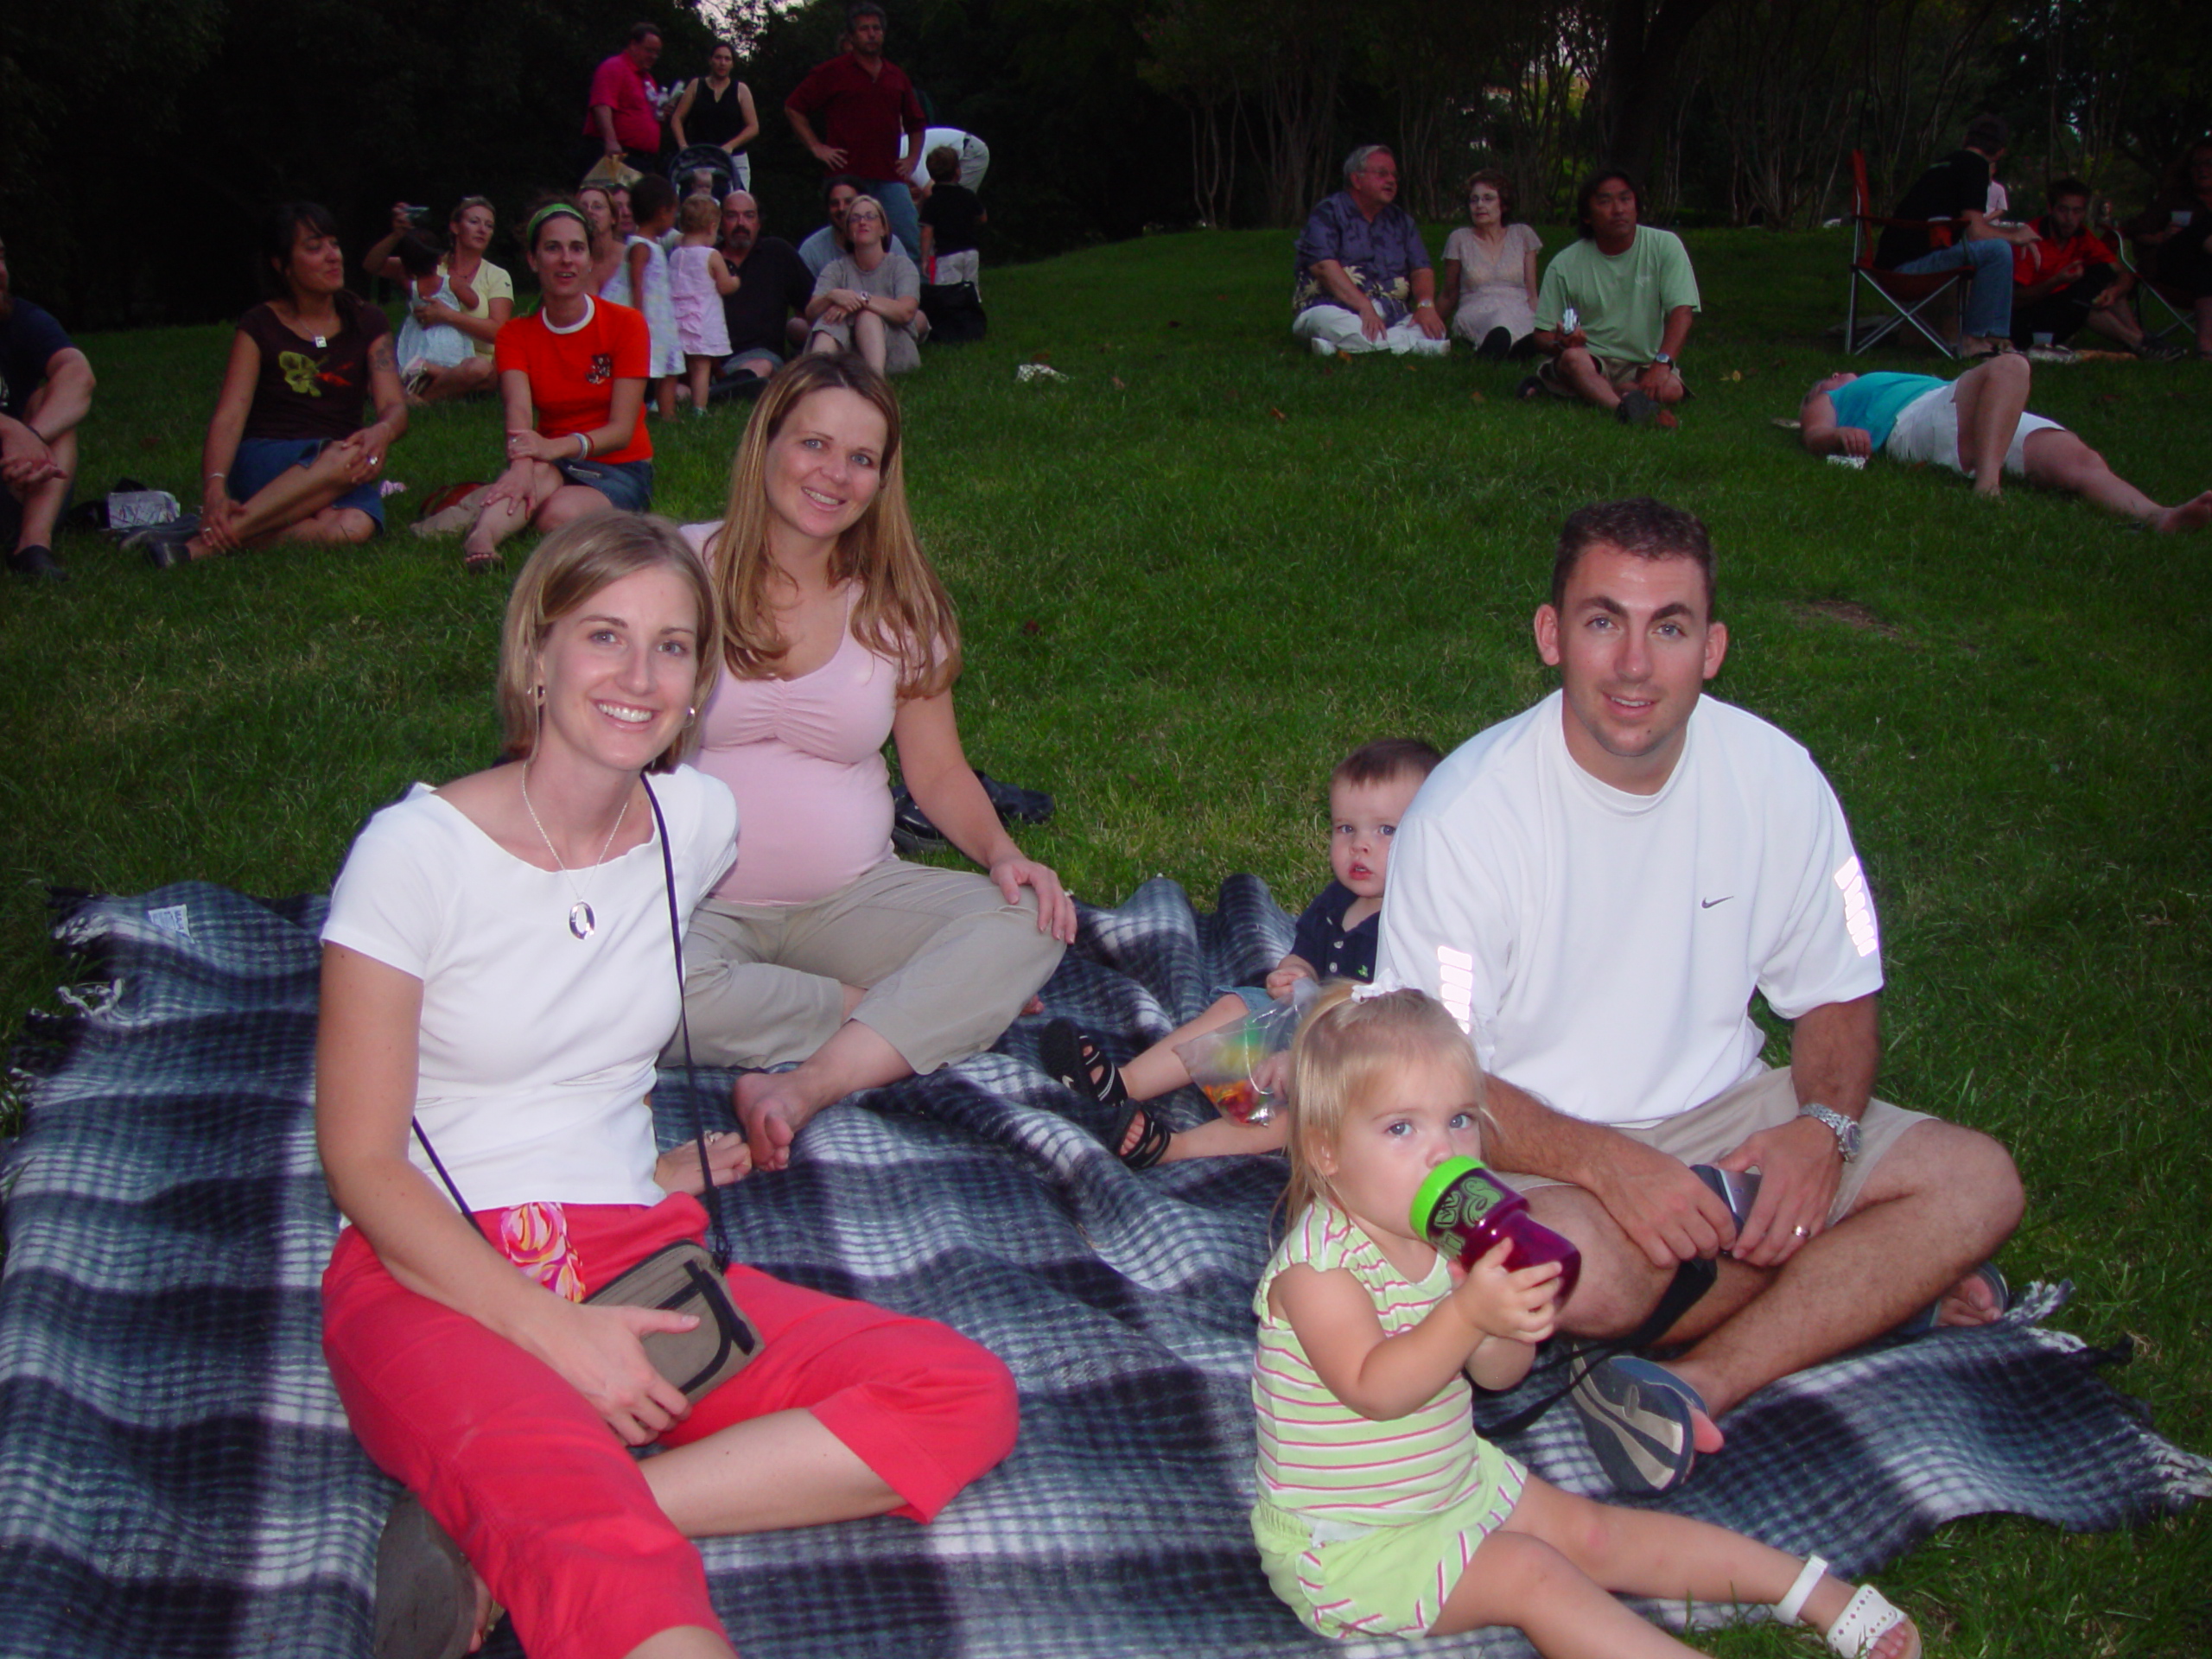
x: 1906, y: 292
x: 2175, y: 302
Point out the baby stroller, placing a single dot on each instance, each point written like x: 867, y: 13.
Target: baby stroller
x: 722, y: 171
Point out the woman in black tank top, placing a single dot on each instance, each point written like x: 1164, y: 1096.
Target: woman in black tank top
x: 718, y: 109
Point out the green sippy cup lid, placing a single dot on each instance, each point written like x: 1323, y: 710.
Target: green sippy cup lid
x: 1433, y: 1189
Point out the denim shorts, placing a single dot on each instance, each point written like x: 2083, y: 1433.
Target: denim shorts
x: 260, y: 461
x: 627, y: 484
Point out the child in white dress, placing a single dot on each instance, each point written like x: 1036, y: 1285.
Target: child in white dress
x: 698, y: 276
x: 437, y: 345
x: 640, y: 282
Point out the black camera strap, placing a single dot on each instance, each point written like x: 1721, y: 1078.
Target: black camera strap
x: 707, y: 1199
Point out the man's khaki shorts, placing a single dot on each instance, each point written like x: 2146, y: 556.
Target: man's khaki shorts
x: 1706, y: 1133
x: 1620, y: 374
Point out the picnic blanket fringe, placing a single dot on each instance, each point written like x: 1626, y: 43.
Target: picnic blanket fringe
x: 176, y: 1475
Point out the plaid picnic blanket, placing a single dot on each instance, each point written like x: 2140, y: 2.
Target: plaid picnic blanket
x: 176, y: 1476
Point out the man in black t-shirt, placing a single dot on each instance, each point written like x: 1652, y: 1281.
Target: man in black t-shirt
x: 773, y: 284
x: 46, y: 388
x: 1956, y: 189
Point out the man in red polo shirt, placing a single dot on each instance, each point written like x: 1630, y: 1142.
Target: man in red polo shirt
x: 866, y: 103
x: 2068, y: 277
x: 623, y: 119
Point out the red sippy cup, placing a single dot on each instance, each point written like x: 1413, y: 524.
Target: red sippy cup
x: 1464, y: 1211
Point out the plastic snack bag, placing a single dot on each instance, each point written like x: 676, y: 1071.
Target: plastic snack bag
x: 1226, y: 1065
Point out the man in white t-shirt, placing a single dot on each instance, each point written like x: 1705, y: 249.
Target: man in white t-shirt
x: 1596, y: 887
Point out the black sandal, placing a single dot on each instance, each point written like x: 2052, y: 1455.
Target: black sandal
x: 1075, y: 1060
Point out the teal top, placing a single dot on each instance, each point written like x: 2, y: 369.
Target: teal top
x: 1873, y: 402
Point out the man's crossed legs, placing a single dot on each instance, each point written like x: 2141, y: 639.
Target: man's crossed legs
x: 1927, y: 1204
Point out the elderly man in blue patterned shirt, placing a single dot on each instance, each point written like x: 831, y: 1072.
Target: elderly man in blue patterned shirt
x: 1364, y: 282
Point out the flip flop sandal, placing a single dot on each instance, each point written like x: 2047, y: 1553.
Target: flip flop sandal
x: 477, y: 564
x: 1866, y: 1617
x: 450, y: 510
x: 1074, y: 1059
x: 1924, y: 1321
x: 426, y: 1595
x: 1637, y: 1417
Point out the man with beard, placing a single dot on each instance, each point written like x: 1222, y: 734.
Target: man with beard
x: 765, y: 311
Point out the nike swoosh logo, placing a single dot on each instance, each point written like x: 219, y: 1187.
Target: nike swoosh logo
x: 1708, y: 904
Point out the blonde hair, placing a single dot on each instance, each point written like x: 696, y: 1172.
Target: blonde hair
x: 903, y: 613
x: 570, y: 566
x: 700, y: 213
x: 1342, y: 1048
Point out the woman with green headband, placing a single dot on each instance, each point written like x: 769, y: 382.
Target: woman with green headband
x: 572, y: 376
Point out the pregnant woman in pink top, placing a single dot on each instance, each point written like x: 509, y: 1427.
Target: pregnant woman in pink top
x: 821, y: 946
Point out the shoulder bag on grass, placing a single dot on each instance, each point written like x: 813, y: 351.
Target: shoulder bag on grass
x: 684, y: 1277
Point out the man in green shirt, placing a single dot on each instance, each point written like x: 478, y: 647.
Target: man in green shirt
x: 1615, y: 309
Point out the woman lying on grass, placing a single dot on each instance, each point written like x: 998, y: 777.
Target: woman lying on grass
x: 498, y: 974
x: 1382, y: 1510
x: 287, y: 458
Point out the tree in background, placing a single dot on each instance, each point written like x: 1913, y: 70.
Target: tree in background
x: 1536, y: 103
x: 1184, y: 60
x: 1633, y: 93
x: 2107, y: 91
x: 1105, y: 117
x: 1783, y: 78
x: 1432, y: 66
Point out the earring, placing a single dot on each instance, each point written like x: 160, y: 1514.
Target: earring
x: 691, y: 713
x: 538, y: 694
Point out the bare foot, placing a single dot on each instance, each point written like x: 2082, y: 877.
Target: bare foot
x: 772, y: 1113
x: 2191, y: 515
x: 728, y: 1159
x: 1972, y: 1301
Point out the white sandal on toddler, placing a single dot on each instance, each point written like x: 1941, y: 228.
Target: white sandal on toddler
x: 1866, y: 1617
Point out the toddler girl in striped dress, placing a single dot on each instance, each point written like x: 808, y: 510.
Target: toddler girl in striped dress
x: 1382, y: 1511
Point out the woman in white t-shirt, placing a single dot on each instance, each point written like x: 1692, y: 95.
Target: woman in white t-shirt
x: 498, y: 975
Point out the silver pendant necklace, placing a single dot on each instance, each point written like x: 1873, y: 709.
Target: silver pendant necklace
x: 582, y: 922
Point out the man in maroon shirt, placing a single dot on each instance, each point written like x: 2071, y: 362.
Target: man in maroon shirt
x: 623, y: 119
x: 866, y: 103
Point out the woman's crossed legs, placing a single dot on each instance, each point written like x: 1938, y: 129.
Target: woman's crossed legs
x: 849, y: 1410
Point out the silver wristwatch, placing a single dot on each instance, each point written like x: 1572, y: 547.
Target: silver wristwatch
x: 1844, y: 1129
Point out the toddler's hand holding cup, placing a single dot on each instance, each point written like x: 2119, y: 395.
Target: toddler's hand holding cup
x: 1513, y: 1305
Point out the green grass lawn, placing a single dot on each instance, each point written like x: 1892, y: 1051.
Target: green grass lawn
x: 1206, y: 564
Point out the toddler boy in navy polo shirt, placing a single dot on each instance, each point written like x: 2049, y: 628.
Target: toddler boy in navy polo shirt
x: 1335, y: 938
